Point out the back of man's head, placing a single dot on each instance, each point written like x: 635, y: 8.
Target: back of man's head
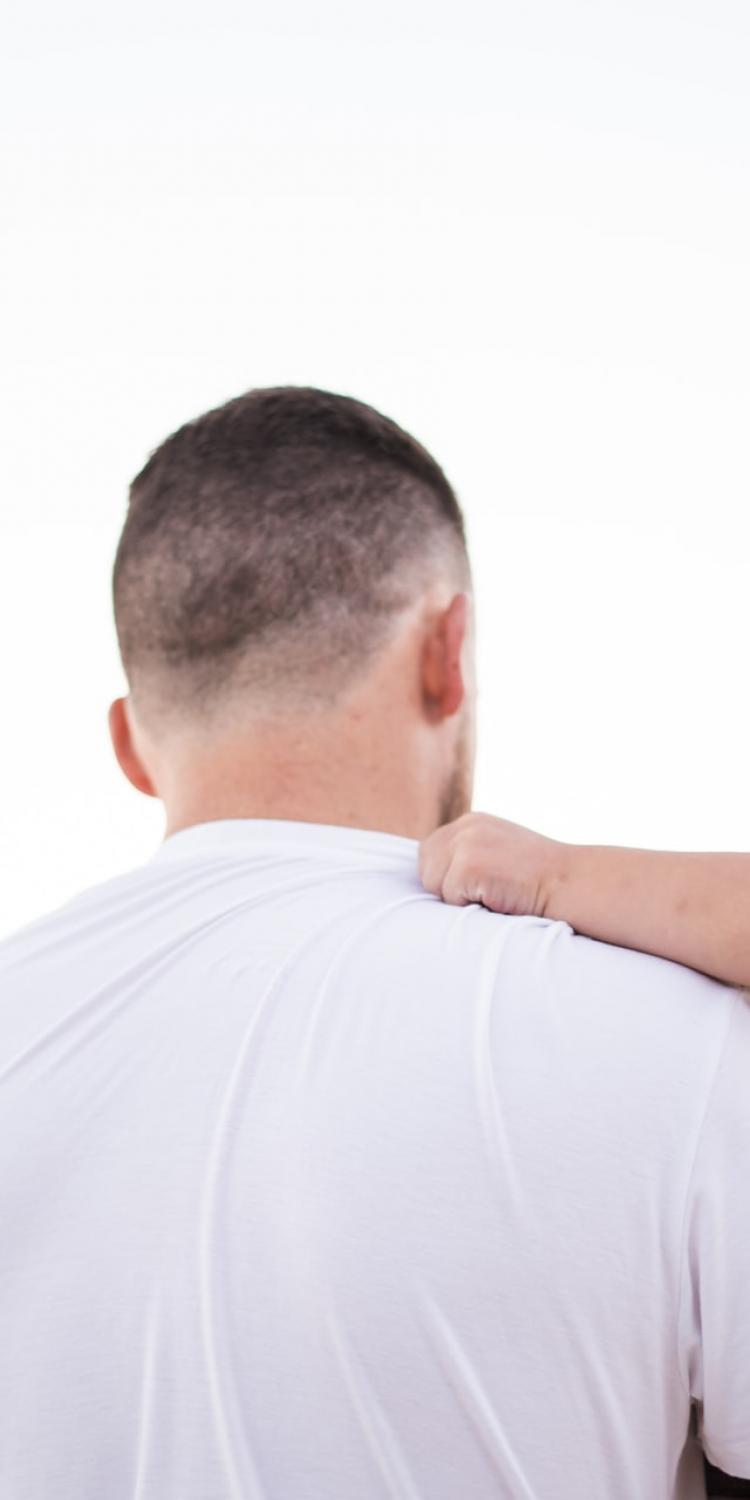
x: 269, y: 550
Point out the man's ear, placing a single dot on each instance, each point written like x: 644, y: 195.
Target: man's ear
x: 443, y: 684
x: 127, y: 755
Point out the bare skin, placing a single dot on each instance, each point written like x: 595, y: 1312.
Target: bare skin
x: 691, y: 908
x: 398, y: 757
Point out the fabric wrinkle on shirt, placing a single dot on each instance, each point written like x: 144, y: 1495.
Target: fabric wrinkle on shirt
x: 314, y: 1187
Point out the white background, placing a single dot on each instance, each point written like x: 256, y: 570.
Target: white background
x: 522, y: 230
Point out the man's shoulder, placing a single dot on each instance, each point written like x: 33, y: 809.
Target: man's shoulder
x: 546, y: 959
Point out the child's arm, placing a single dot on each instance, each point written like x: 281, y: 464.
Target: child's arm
x: 693, y: 908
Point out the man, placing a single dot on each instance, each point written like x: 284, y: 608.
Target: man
x: 315, y: 1187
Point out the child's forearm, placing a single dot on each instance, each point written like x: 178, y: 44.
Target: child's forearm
x: 692, y: 908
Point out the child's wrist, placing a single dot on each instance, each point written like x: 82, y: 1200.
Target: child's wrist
x: 563, y: 871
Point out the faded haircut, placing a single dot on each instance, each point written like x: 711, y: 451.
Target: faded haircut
x: 268, y: 550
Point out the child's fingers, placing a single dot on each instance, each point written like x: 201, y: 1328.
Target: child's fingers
x: 444, y: 857
x: 432, y: 863
x: 484, y: 859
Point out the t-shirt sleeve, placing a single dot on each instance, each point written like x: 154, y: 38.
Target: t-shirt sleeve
x: 714, y: 1312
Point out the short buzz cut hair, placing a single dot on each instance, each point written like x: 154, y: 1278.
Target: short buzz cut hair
x: 268, y: 550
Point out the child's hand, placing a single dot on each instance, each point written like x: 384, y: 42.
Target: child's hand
x: 499, y: 864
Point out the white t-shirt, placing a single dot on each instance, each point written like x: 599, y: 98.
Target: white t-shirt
x: 313, y: 1187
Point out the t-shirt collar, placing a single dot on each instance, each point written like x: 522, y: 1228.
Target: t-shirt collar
x: 261, y: 835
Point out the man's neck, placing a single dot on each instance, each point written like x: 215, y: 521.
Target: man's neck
x: 366, y: 787
x: 209, y: 809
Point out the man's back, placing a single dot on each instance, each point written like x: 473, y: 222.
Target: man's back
x: 315, y: 1187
